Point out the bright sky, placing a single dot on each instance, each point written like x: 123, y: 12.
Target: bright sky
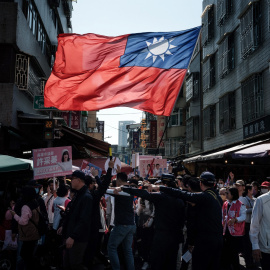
x: 113, y: 18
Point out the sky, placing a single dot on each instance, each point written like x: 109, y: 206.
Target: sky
x: 118, y: 17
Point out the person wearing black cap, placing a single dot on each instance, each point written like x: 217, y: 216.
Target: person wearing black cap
x: 169, y: 222
x: 208, y: 242
x: 76, y: 224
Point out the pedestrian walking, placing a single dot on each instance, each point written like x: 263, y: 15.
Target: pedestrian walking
x: 76, y: 223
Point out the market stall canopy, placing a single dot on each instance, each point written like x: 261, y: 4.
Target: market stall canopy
x: 11, y: 164
x: 257, y: 151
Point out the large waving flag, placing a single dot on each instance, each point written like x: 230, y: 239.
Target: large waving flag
x: 144, y: 71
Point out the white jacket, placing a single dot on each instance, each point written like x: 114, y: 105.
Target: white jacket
x: 260, y: 224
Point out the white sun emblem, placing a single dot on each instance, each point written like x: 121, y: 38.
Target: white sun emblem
x: 159, y: 48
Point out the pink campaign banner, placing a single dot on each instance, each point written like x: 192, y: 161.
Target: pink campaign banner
x: 159, y: 167
x: 51, y: 162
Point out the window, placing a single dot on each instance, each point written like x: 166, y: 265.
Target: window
x: 209, y: 78
x: 252, y: 98
x: 192, y: 86
x: 37, y: 28
x: 209, y: 122
x: 22, y: 71
x: 207, y: 25
x: 226, y: 55
x: 175, y: 119
x: 250, y: 29
x: 192, y: 129
x: 224, y: 9
x: 227, y: 113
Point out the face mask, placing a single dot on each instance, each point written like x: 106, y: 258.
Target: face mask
x: 41, y: 192
x: 37, y: 190
x: 264, y: 190
x: 220, y: 185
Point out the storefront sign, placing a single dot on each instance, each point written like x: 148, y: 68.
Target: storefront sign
x: 75, y: 119
x: 153, y: 134
x: 51, y: 162
x: 257, y: 127
x: 160, y: 130
x: 143, y: 136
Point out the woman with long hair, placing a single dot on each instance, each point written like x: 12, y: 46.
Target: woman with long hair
x: 27, y: 225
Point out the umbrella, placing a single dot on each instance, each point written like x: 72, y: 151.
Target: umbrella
x: 11, y: 164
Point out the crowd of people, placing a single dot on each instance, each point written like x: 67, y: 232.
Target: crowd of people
x: 173, y: 222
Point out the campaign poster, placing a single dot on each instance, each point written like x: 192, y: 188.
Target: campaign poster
x: 158, y: 167
x: 88, y: 167
x: 52, y: 162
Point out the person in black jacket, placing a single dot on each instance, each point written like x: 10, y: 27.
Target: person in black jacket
x: 169, y: 222
x: 208, y: 242
x: 76, y: 224
x: 124, y: 229
x: 97, y: 194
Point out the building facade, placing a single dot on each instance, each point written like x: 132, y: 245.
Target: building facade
x: 235, y: 71
x: 232, y: 107
x: 28, y: 42
x: 123, y: 133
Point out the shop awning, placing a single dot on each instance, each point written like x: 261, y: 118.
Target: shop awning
x: 257, y: 151
x: 191, y: 159
x: 86, y: 141
x: 12, y: 164
x: 219, y: 154
x: 222, y: 153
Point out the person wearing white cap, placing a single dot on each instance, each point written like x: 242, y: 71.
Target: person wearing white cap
x: 259, y: 229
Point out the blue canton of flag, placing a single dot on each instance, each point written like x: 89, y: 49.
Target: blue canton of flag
x: 165, y: 50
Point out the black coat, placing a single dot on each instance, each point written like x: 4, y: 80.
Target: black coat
x: 77, y: 220
x: 209, y: 203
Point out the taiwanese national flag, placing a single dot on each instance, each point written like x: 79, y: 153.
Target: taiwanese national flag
x: 144, y: 71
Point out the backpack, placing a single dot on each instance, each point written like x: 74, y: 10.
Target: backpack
x: 43, y: 222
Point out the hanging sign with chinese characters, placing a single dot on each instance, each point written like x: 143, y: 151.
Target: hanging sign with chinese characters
x: 75, y: 121
x: 143, y: 136
x: 256, y: 127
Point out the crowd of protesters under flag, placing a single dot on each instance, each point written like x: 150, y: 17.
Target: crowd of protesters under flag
x: 176, y: 221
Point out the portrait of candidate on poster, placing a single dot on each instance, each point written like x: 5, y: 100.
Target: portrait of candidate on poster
x: 52, y: 162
